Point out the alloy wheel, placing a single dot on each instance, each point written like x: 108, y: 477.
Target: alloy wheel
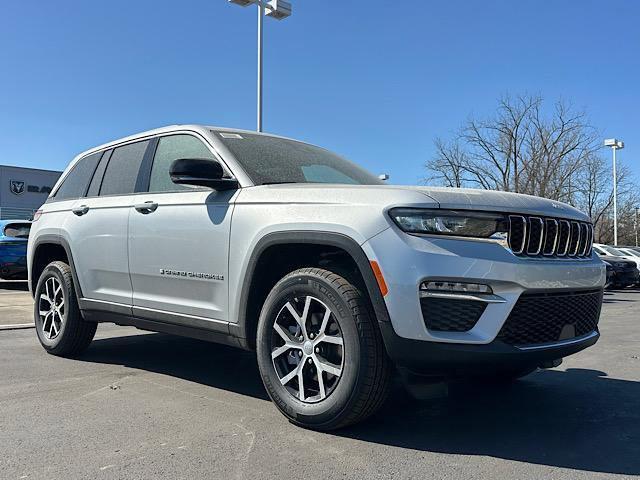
x: 51, y: 308
x: 307, y: 349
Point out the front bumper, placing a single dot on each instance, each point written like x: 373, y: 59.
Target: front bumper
x: 450, y: 359
x: 406, y: 261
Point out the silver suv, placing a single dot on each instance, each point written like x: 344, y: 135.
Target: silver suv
x: 338, y: 281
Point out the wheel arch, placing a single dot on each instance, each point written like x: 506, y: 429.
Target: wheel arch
x: 48, y: 248
x: 248, y: 312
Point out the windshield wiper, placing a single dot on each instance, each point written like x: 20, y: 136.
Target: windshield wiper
x: 276, y: 183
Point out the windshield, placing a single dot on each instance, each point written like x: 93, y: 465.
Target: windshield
x: 631, y: 252
x: 613, y: 251
x: 269, y: 160
x: 17, y: 230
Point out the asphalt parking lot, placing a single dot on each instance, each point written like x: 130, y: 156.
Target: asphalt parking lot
x: 147, y: 405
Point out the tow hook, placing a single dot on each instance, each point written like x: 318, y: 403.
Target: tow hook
x: 551, y: 363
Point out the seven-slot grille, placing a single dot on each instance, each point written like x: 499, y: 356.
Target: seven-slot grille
x: 549, y: 237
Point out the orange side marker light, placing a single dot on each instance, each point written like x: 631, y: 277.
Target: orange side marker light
x: 379, y: 278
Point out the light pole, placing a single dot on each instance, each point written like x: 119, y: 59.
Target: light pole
x: 277, y: 9
x: 615, y: 144
x: 635, y: 225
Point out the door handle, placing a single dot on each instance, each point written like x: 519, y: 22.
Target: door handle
x: 146, y: 207
x: 81, y: 210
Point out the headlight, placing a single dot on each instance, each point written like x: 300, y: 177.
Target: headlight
x: 461, y: 223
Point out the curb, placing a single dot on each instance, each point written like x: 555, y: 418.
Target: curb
x: 17, y: 326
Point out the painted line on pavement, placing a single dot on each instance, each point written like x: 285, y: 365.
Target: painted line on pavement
x: 17, y: 326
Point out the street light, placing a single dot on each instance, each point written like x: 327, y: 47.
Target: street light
x: 635, y: 225
x: 615, y: 144
x: 277, y: 9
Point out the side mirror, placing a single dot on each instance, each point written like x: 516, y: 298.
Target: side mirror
x: 202, y: 172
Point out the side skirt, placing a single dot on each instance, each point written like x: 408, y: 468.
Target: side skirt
x: 157, y: 321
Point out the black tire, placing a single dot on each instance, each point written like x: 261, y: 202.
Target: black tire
x: 364, y: 382
x: 73, y: 334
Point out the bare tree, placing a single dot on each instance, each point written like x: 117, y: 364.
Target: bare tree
x: 552, y: 153
x: 518, y: 150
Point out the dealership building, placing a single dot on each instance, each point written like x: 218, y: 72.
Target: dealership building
x: 24, y: 190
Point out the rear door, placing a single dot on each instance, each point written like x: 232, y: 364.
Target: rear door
x: 179, y: 245
x: 97, y: 227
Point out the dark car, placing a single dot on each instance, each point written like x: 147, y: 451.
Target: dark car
x: 610, y: 274
x: 13, y: 249
x: 625, y: 272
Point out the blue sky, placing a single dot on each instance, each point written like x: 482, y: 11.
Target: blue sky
x: 375, y: 81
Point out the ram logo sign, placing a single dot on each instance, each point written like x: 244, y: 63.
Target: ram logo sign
x: 16, y: 187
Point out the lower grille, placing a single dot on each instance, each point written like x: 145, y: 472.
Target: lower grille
x: 451, y: 315
x: 550, y: 317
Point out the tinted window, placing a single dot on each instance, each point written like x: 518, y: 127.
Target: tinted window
x: 17, y: 230
x: 122, y: 171
x: 96, y: 181
x: 169, y: 149
x: 76, y: 182
x: 276, y: 160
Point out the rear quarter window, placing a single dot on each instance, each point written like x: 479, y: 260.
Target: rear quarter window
x: 77, y: 180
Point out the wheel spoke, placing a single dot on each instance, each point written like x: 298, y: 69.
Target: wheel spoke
x: 325, y: 321
x: 284, y: 348
x: 323, y: 392
x: 57, y: 291
x: 283, y: 333
x: 329, y: 339
x: 328, y: 367
x: 47, y: 317
x: 298, y: 318
x: 54, y: 327
x: 301, y: 381
x: 46, y: 299
x: 289, y: 376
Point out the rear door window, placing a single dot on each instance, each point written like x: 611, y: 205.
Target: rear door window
x: 76, y: 182
x: 121, y: 174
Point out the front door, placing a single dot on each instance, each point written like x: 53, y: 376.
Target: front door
x: 179, y: 243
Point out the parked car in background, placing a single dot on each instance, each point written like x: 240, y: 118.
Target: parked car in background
x: 625, y: 272
x: 610, y: 274
x: 13, y: 249
x: 629, y: 251
x: 609, y: 250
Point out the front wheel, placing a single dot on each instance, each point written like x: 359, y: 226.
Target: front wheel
x: 59, y: 323
x: 320, y: 353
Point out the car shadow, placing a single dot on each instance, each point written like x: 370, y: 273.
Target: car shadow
x: 610, y: 296
x: 578, y: 419
x: 17, y: 285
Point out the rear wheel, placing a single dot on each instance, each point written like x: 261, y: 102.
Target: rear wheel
x: 59, y: 323
x: 320, y: 353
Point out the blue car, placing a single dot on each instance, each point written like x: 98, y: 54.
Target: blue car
x: 13, y: 249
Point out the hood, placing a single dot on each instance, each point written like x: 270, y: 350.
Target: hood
x: 425, y: 197
x: 490, y: 200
